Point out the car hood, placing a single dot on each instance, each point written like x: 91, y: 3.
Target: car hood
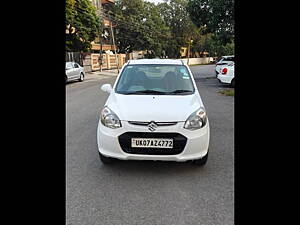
x: 159, y: 108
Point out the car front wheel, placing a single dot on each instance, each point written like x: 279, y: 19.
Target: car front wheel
x: 104, y: 159
x: 232, y: 83
x: 81, y: 78
x: 202, y: 161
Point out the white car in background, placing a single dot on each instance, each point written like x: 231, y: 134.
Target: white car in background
x: 226, y: 75
x: 225, y: 60
x: 74, y: 72
x: 154, y: 112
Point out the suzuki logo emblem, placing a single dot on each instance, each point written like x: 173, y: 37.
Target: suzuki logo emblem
x: 152, y: 126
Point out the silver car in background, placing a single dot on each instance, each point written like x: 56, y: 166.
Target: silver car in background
x: 74, y: 72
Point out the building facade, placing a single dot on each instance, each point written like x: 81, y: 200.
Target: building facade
x: 105, y: 43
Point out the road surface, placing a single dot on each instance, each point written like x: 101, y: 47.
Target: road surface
x: 135, y: 192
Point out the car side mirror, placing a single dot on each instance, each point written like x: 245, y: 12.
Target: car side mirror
x: 106, y: 88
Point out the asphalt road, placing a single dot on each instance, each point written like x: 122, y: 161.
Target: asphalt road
x: 137, y: 192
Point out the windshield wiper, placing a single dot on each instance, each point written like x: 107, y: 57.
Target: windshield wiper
x: 145, y: 92
x: 180, y: 91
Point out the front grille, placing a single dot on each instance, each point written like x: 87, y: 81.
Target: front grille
x: 147, y: 123
x: 179, y: 142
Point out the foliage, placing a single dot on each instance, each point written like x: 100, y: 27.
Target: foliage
x: 160, y: 29
x: 82, y: 25
x: 164, y: 28
x: 212, y: 44
x: 217, y: 48
x: 227, y: 92
x: 216, y: 16
x: 139, y: 27
x: 182, y: 28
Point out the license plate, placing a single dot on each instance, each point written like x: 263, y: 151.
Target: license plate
x: 151, y: 143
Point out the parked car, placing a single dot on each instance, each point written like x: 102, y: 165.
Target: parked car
x: 74, y: 72
x: 225, y: 60
x: 226, y: 75
x: 154, y: 112
x: 211, y: 60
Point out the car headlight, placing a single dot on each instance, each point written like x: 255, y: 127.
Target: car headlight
x: 110, y: 119
x: 196, y: 120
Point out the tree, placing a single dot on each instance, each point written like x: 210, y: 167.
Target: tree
x: 182, y: 28
x: 200, y: 43
x: 164, y: 28
x: 82, y: 25
x: 217, y: 16
x: 139, y: 27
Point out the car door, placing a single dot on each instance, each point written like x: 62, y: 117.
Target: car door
x: 70, y: 70
x: 77, y: 71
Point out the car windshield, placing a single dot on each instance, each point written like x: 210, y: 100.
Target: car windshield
x: 155, y: 79
x: 229, y: 59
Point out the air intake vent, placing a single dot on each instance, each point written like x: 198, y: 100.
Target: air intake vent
x: 157, y: 123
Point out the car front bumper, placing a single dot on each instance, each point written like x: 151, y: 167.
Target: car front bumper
x: 224, y: 78
x: 196, y: 147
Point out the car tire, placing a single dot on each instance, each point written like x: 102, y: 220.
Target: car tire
x: 81, y: 78
x: 104, y: 159
x: 202, y: 161
x: 232, y: 83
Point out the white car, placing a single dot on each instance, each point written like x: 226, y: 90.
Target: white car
x: 74, y: 72
x: 154, y: 112
x: 225, y: 60
x: 226, y: 75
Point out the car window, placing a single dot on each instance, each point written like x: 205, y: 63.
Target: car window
x: 163, y: 79
x: 69, y: 65
x: 229, y: 59
x: 76, y: 65
x: 220, y: 60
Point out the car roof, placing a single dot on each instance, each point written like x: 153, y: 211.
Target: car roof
x: 156, y: 61
x: 226, y: 56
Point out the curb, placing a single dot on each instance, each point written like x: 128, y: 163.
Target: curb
x: 103, y: 73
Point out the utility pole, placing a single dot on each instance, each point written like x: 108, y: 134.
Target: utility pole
x: 114, y: 44
x: 100, y: 35
x: 188, y: 59
x: 189, y: 49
